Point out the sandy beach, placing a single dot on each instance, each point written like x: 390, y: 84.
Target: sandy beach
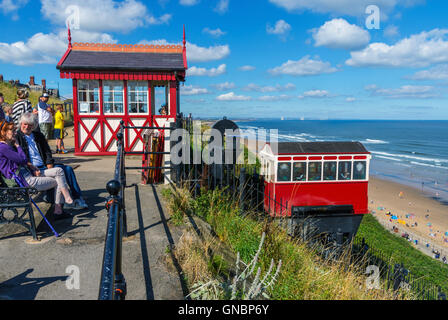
x: 411, y: 206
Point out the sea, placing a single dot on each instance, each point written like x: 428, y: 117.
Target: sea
x: 414, y: 153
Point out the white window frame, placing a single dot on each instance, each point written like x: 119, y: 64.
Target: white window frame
x: 306, y: 170
x: 353, y: 160
x: 88, y: 92
x: 155, y: 108
x: 112, y: 92
x: 138, y: 94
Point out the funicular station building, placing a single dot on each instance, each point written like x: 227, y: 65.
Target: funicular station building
x: 115, y: 82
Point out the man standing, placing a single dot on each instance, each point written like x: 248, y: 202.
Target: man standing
x: 45, y: 116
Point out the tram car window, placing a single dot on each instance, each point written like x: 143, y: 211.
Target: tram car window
x: 330, y: 171
x: 359, y: 170
x: 284, y: 172
x: 314, y: 171
x: 299, y: 171
x: 345, y: 170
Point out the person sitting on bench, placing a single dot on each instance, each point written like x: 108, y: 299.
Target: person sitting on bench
x: 13, y: 160
x: 38, y: 152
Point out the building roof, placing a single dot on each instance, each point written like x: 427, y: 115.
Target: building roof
x: 102, y: 57
x: 319, y: 147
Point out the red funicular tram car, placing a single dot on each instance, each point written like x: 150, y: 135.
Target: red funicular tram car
x: 322, y: 187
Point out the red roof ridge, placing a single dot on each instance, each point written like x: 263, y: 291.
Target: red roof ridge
x: 141, y: 48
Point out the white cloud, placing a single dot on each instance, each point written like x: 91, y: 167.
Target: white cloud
x: 222, y: 6
x: 282, y: 97
x: 315, y: 94
x: 277, y: 88
x: 10, y: 7
x: 201, y: 72
x: 341, y: 7
x: 224, y: 86
x: 103, y: 15
x: 280, y: 28
x: 339, y: 34
x: 391, y: 31
x: 246, y: 68
x: 404, y: 92
x: 439, y: 72
x: 418, y: 50
x: 192, y: 90
x: 189, y: 2
x: 164, y: 19
x: 196, y: 53
x: 350, y: 99
x: 231, y: 96
x: 303, y: 67
x: 214, y: 32
x: 46, y: 48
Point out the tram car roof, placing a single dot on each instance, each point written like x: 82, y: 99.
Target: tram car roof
x: 333, y: 147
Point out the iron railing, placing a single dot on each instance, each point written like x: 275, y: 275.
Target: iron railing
x: 113, y: 283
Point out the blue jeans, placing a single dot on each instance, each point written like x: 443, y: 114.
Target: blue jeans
x: 72, y: 182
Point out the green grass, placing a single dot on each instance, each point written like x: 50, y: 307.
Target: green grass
x: 401, y: 251
x: 303, y: 275
x: 10, y: 94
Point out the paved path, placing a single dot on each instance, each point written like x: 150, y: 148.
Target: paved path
x: 41, y: 271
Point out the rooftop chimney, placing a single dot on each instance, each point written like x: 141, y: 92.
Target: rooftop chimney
x: 44, y: 83
x: 32, y: 81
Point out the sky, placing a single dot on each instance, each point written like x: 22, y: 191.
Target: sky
x: 312, y: 59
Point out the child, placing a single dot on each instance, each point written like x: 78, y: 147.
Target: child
x: 59, y: 130
x: 8, y: 113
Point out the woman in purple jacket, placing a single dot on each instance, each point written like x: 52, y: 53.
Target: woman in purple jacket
x: 14, y: 160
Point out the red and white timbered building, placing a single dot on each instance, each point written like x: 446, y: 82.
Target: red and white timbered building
x: 114, y: 82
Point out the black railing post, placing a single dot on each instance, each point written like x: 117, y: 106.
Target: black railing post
x: 440, y: 294
x: 121, y: 162
x: 242, y: 189
x: 113, y: 284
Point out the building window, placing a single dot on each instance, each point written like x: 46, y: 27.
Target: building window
x: 299, y: 171
x: 284, y: 172
x: 314, y: 171
x: 138, y: 97
x: 359, y: 170
x: 88, y: 96
x: 330, y: 170
x: 345, y: 170
x: 160, y: 103
x: 113, y: 96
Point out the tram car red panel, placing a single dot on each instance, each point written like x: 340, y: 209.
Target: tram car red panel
x: 327, y: 181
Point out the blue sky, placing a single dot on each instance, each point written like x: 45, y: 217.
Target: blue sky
x: 258, y: 58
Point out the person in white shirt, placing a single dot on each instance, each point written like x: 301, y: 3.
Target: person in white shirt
x: 45, y: 116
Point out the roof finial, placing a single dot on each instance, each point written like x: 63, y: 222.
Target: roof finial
x: 184, y: 42
x: 69, y: 37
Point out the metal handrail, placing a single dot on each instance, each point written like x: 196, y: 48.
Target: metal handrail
x: 113, y: 283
